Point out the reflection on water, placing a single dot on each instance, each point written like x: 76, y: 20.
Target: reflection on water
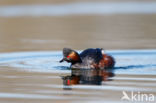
x: 87, y: 77
x: 39, y: 77
x: 36, y: 77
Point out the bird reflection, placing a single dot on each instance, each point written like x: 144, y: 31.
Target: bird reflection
x: 86, y: 77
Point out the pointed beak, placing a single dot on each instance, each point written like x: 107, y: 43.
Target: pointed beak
x: 62, y: 60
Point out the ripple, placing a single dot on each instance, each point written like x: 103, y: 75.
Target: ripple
x: 106, y: 87
x: 127, y: 61
x: 27, y: 96
x: 134, y: 71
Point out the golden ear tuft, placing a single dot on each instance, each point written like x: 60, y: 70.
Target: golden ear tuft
x: 74, y: 56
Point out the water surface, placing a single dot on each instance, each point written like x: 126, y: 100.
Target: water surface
x: 33, y: 34
x: 37, y: 77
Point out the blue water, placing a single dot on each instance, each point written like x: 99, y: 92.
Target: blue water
x: 79, y: 8
x: 127, y: 61
x: 37, y: 77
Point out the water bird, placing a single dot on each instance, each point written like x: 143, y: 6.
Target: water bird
x: 88, y: 59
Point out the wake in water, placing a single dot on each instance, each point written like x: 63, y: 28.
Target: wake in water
x: 134, y: 71
x: 132, y: 61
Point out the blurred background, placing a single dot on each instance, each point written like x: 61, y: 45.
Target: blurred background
x: 34, y: 25
x: 50, y: 25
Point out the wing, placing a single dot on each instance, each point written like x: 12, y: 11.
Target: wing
x: 90, y: 56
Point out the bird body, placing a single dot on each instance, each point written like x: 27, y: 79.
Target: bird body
x: 88, y: 59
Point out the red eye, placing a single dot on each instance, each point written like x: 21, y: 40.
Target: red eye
x: 68, y: 82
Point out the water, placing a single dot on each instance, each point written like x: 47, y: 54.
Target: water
x: 79, y: 8
x: 34, y: 33
x: 37, y: 77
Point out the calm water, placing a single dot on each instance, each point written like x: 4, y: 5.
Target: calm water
x: 37, y: 77
x: 34, y: 33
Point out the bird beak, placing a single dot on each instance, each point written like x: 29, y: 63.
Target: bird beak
x: 62, y: 60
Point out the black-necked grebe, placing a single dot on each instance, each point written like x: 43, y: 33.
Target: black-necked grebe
x: 88, y: 59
